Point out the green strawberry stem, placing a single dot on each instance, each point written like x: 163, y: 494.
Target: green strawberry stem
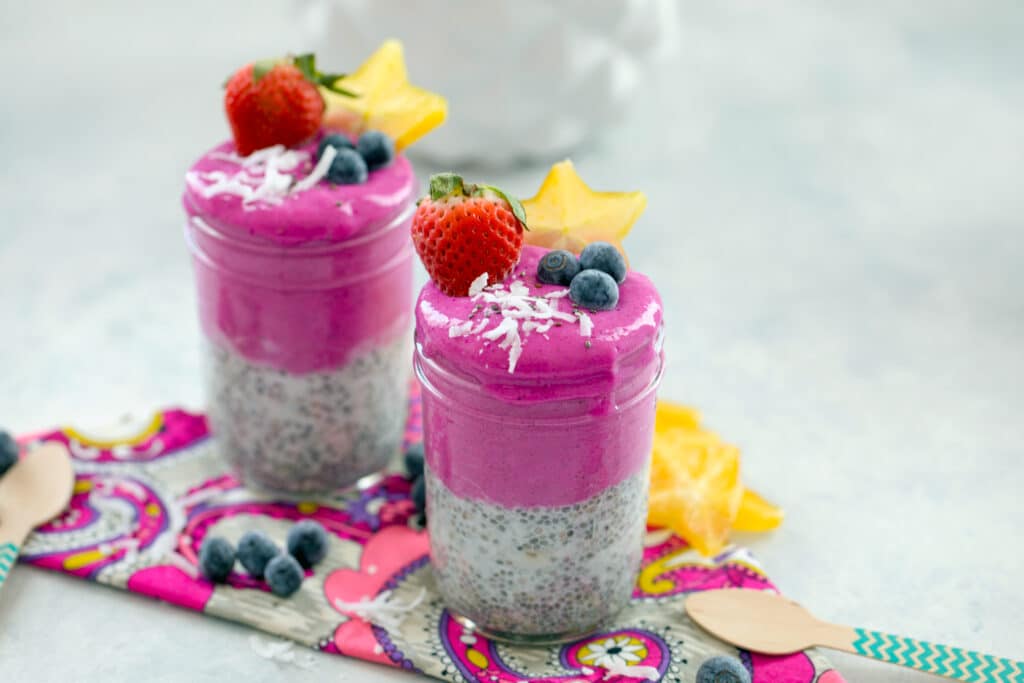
x: 306, y: 63
x: 451, y: 184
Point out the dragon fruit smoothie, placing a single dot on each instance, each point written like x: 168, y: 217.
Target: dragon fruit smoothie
x: 304, y: 291
x: 538, y: 422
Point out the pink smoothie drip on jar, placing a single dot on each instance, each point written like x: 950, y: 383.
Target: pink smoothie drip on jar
x: 577, y: 410
x: 302, y: 281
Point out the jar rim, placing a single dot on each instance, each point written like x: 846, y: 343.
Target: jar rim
x: 312, y: 248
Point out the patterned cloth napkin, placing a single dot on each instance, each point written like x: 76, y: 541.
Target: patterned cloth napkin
x: 145, y: 499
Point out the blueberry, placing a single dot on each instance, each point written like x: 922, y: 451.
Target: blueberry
x: 348, y: 168
x: 8, y: 452
x: 414, y: 460
x: 722, y: 669
x: 255, y: 550
x: 335, y: 140
x: 419, y: 495
x: 284, y: 575
x: 307, y: 542
x: 595, y: 290
x: 604, y: 257
x: 558, y: 267
x: 216, y: 559
x: 376, y: 148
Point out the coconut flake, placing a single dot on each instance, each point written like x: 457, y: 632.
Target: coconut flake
x: 281, y: 651
x: 514, y: 353
x: 477, y: 285
x: 319, y: 171
x: 262, y: 176
x: 586, y: 325
x: 504, y: 327
x: 617, y: 668
x: 521, y: 313
x: 461, y: 329
x: 517, y: 288
x: 381, y: 610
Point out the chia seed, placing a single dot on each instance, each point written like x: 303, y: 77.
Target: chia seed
x: 308, y: 433
x: 538, y: 571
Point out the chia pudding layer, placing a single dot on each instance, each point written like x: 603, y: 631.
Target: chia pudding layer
x: 538, y: 422
x: 304, y: 290
x: 537, y: 570
x: 303, y: 432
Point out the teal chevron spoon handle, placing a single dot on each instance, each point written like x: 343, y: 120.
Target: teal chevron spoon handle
x: 943, y: 660
x: 8, y: 556
x: 764, y: 621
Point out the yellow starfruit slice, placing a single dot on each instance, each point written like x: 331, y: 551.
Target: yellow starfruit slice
x: 384, y: 100
x: 566, y: 214
x: 757, y: 514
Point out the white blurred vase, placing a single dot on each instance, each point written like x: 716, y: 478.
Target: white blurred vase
x: 525, y: 79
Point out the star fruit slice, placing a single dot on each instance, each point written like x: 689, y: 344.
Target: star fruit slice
x: 384, y: 100
x: 757, y: 514
x: 695, y: 487
x: 566, y: 214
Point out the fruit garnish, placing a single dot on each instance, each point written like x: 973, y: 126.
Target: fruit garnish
x: 276, y: 102
x: 462, y: 231
x: 336, y: 141
x: 604, y: 257
x: 594, y: 289
x: 566, y: 214
x: 347, y: 168
x: 695, y: 487
x: 558, y: 267
x: 757, y: 514
x: 695, y: 484
x: 385, y: 100
x: 376, y: 149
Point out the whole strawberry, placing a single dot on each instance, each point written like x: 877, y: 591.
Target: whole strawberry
x: 275, y: 102
x: 462, y: 231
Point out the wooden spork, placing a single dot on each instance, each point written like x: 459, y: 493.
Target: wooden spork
x: 766, y: 622
x: 34, y: 491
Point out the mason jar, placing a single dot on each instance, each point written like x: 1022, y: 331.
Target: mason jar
x: 304, y: 306
x: 537, y: 479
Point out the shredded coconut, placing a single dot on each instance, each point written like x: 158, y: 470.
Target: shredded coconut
x: 263, y: 176
x: 319, y: 171
x: 617, y: 668
x: 281, y: 651
x: 586, y: 325
x: 477, y: 285
x: 460, y: 330
x: 521, y: 315
x: 381, y: 610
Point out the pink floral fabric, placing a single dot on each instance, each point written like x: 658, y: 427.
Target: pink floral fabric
x: 145, y: 499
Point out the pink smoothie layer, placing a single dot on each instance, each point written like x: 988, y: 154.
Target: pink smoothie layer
x: 323, y: 213
x: 573, y: 418
x: 299, y: 280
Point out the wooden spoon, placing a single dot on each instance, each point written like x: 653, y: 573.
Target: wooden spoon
x: 766, y: 622
x: 34, y: 491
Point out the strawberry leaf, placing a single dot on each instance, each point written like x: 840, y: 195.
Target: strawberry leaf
x: 329, y: 81
x: 444, y: 184
x: 517, y: 207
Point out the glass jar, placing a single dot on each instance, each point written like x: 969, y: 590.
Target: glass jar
x: 536, y: 506
x: 306, y: 331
